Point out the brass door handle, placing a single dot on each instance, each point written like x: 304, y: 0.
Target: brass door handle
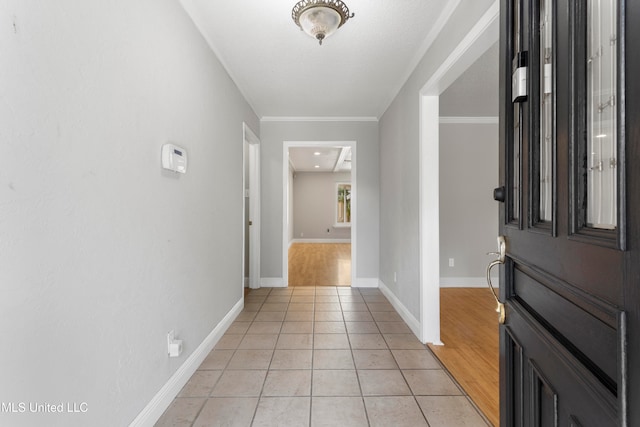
x: 501, y: 254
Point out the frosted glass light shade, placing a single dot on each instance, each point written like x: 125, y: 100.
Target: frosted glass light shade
x: 320, y: 22
x: 320, y: 18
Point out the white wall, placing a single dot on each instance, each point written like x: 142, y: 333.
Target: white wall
x: 399, y: 163
x: 101, y: 252
x: 314, y: 205
x: 272, y: 136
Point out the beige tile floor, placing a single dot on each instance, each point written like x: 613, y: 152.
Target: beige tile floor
x: 320, y: 356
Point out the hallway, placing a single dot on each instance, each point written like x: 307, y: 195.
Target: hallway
x: 320, y: 356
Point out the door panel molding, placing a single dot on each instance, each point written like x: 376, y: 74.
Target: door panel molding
x: 512, y: 379
x: 582, y: 395
x: 594, y: 343
x: 598, y: 308
x: 544, y: 412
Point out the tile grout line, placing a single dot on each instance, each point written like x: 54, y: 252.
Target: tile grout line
x: 400, y: 342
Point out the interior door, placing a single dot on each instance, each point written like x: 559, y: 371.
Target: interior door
x: 570, y: 212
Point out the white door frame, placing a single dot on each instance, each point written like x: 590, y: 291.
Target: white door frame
x: 481, y: 37
x: 251, y: 157
x: 285, y: 201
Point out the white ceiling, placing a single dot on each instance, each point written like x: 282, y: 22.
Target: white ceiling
x: 283, y: 72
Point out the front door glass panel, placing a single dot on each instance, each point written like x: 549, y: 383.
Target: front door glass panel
x: 546, y: 110
x: 602, y: 159
x: 515, y: 172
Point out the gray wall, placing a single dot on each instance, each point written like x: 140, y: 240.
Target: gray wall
x: 468, y: 213
x: 272, y: 136
x: 469, y: 173
x: 475, y: 92
x: 102, y: 252
x: 314, y: 205
x: 399, y: 167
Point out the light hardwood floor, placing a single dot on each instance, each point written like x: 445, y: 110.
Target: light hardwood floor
x: 469, y: 330
x: 320, y: 264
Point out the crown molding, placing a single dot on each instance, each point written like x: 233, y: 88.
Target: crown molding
x: 442, y: 20
x: 316, y: 119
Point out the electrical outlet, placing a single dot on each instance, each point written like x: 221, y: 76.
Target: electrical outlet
x: 174, y: 346
x: 451, y: 262
x: 171, y: 337
x: 395, y: 277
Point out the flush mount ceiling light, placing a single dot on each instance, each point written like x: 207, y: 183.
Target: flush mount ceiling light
x: 320, y: 18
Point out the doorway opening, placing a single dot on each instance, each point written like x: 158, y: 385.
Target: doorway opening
x: 320, y: 207
x: 251, y: 208
x: 436, y: 263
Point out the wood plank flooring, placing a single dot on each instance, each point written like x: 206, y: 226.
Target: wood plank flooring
x: 320, y: 264
x: 469, y: 330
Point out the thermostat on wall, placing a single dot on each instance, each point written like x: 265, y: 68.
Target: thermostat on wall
x: 174, y: 158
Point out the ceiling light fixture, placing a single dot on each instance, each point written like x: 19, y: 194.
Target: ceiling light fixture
x: 320, y: 18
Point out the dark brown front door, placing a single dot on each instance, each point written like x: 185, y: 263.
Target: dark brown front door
x: 570, y: 212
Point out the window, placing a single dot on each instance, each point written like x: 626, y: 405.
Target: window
x: 343, y: 205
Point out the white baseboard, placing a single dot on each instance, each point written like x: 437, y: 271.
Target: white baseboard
x: 366, y: 282
x: 272, y: 282
x: 468, y: 282
x: 246, y: 282
x: 409, y: 319
x: 161, y: 401
x: 320, y: 241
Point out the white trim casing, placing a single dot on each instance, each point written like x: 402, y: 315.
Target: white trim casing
x: 285, y: 201
x: 480, y: 38
x: 429, y: 176
x: 252, y: 154
x: 161, y: 401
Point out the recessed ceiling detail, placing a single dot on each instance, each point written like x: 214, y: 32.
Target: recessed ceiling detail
x: 328, y: 159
